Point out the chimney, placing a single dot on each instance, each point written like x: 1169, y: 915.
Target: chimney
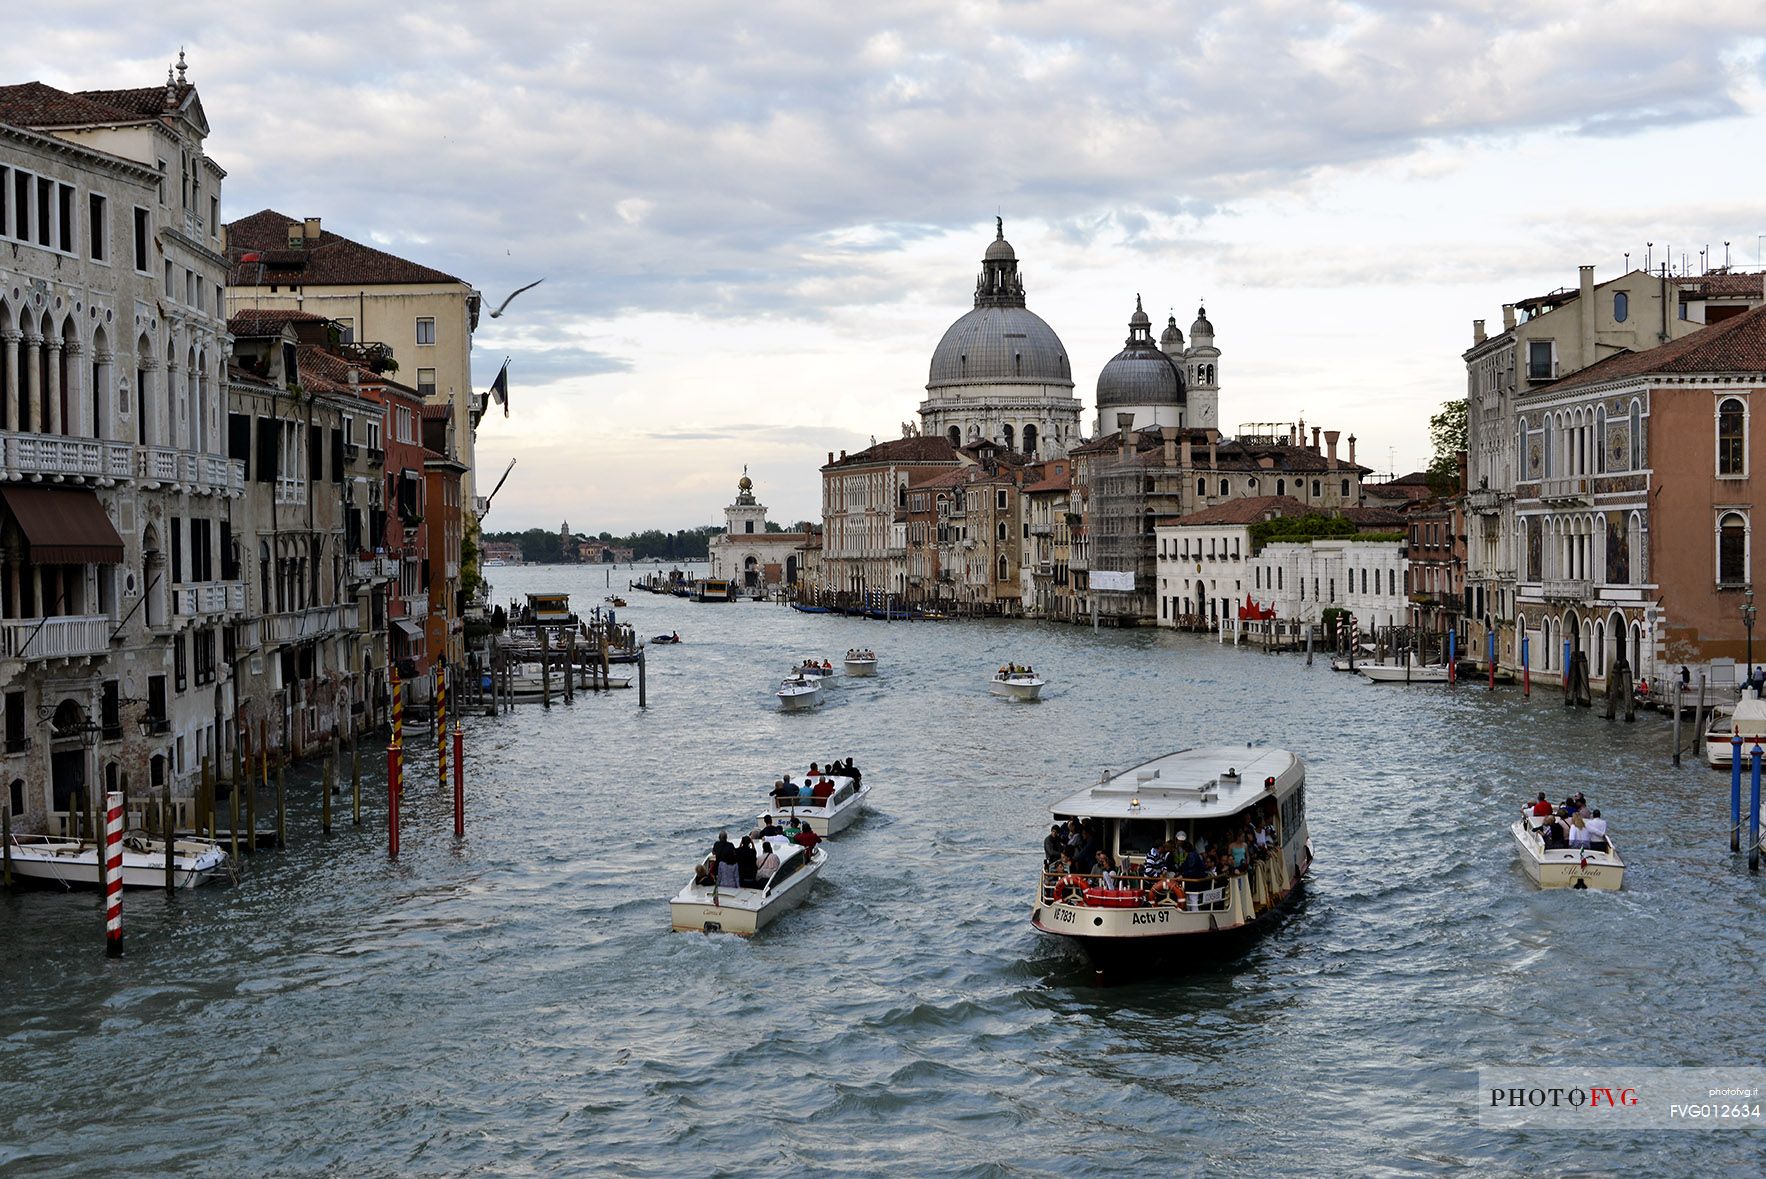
x: 1508, y: 317
x: 830, y: 458
x: 1186, y: 456
x: 843, y: 455
x: 1213, y: 453
x: 1352, y: 450
x: 1587, y: 301
x: 1331, y: 437
x: 1478, y: 333
x: 1125, y: 427
x: 1315, y: 433
x: 310, y: 227
x: 1169, y: 434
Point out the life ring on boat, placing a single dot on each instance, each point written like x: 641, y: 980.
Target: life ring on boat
x: 1167, y: 888
x: 1113, y: 898
x: 1074, y: 883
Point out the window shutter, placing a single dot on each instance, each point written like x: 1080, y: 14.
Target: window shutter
x: 337, y: 456
x: 269, y: 449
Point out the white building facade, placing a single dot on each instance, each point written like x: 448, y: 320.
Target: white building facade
x: 747, y: 553
x: 1301, y: 580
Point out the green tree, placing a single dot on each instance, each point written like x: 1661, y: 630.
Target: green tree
x: 1447, y: 434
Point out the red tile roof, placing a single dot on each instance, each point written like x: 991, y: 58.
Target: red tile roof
x: 34, y: 104
x: 1723, y: 286
x: 1244, y: 511
x: 1372, y: 517
x: 267, y: 320
x: 923, y: 449
x: 329, y: 260
x: 1736, y: 345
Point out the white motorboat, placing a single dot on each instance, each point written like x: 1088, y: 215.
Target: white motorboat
x: 861, y: 663
x: 1190, y: 798
x: 1020, y: 685
x: 705, y: 908
x: 827, y: 815
x: 798, y: 693
x: 75, y: 863
x: 1404, y: 673
x: 1566, y: 867
x: 1746, y: 717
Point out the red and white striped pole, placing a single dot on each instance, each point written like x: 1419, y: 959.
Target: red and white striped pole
x: 113, y: 874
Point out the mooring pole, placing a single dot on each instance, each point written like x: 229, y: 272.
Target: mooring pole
x: 6, y: 844
x: 1490, y: 656
x: 355, y: 778
x: 1754, y: 814
x: 459, y: 782
x: 1735, y: 791
x: 1676, y: 722
x: 1526, y: 668
x: 643, y: 702
x: 1452, y: 657
x: 113, y: 871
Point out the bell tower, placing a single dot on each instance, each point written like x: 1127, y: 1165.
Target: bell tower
x: 747, y: 516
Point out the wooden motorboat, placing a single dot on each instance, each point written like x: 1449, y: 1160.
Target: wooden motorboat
x: 705, y: 908
x: 799, y: 693
x: 1566, y: 867
x: 54, y: 859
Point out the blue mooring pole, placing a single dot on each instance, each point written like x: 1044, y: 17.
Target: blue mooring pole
x: 1490, y: 656
x: 1754, y: 815
x: 1526, y: 669
x: 1735, y: 792
x: 1452, y: 654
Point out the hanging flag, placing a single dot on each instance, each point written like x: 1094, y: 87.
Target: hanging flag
x: 500, y: 387
x: 253, y: 257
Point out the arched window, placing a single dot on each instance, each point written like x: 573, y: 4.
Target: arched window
x: 1029, y: 439
x: 1202, y: 488
x: 1281, y: 487
x: 1732, y: 549
x: 1345, y: 489
x: 1545, y: 447
x: 1006, y: 433
x: 1005, y: 573
x: 1621, y: 306
x: 955, y: 434
x: 1600, y: 441
x: 1000, y: 531
x: 1315, y: 487
x: 1636, y: 436
x: 1223, y: 487
x: 1732, y: 455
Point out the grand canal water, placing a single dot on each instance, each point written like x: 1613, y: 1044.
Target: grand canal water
x: 516, y: 1005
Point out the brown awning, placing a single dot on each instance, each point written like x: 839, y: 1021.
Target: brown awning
x: 64, y: 526
x: 412, y: 630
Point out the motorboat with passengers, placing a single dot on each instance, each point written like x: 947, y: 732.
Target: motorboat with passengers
x: 815, y: 671
x: 799, y: 693
x: 1555, y: 863
x: 861, y: 662
x: 1195, y: 846
x: 1020, y: 683
x: 834, y: 802
x: 703, y: 906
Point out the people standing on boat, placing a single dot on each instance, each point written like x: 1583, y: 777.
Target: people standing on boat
x: 807, y: 838
x: 1578, y: 832
x: 723, y: 849
x: 806, y: 794
x: 1158, y: 861
x: 851, y: 771
x: 1194, y: 867
x: 1541, y: 808
x: 1054, y: 847
x: 729, y: 874
x: 1597, y: 830
x: 784, y: 791
x: 746, y: 862
x: 824, y: 789
x: 766, y: 865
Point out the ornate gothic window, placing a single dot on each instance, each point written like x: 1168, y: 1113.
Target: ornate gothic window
x: 1732, y: 454
x: 1732, y: 549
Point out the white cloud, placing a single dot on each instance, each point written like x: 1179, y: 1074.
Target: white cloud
x: 768, y: 213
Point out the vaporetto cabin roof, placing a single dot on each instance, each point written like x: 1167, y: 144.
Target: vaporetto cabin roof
x: 1207, y: 783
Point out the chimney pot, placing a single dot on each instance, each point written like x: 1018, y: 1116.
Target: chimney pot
x: 1169, y: 434
x: 310, y: 227
x: 1508, y: 317
x: 1187, y: 453
x: 1316, y: 430
x: 1352, y: 450
x: 1331, y: 437
x: 1478, y: 333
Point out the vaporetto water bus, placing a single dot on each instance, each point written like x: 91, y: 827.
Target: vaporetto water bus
x: 1209, y: 800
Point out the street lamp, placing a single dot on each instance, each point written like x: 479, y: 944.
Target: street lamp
x: 1747, y: 620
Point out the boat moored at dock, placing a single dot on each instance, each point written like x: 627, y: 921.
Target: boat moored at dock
x: 1747, y: 717
x: 1185, y: 849
x: 705, y: 907
x: 1404, y: 673
x: 54, y: 859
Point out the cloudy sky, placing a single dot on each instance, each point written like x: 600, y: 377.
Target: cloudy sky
x: 755, y: 220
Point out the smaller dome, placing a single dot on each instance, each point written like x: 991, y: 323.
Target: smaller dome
x: 1139, y: 318
x: 999, y: 250
x: 1140, y: 374
x: 1201, y: 327
x: 1171, y: 339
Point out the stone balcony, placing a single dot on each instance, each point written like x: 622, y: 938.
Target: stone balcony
x: 58, y: 458
x: 73, y: 637
x: 1577, y: 490
x: 1483, y: 501
x: 291, y: 489
x: 300, y: 626
x: 203, y: 473
x: 1566, y: 589
x: 208, y: 599
x: 1042, y: 530
x: 374, y: 570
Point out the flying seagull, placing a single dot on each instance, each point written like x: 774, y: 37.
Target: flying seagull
x: 501, y: 307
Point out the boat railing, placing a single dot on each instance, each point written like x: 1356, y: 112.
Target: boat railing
x: 1204, y: 894
x: 785, y: 806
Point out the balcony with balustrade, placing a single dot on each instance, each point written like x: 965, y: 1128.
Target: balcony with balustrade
x: 208, y: 600
x: 208, y: 474
x: 1566, y: 589
x: 1577, y: 490
x: 291, y: 489
x: 71, y: 637
x: 301, y: 626
x: 59, y: 458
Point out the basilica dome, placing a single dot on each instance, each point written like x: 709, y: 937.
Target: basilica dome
x: 1000, y: 341
x: 1141, y: 374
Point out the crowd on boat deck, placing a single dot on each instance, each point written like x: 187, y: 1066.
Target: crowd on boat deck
x: 1074, y: 852
x: 1007, y: 670
x: 814, y: 664
x: 818, y: 784
x: 752, y: 862
x: 1570, y: 824
x: 858, y: 653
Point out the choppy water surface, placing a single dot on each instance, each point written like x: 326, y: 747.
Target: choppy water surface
x: 516, y: 1004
